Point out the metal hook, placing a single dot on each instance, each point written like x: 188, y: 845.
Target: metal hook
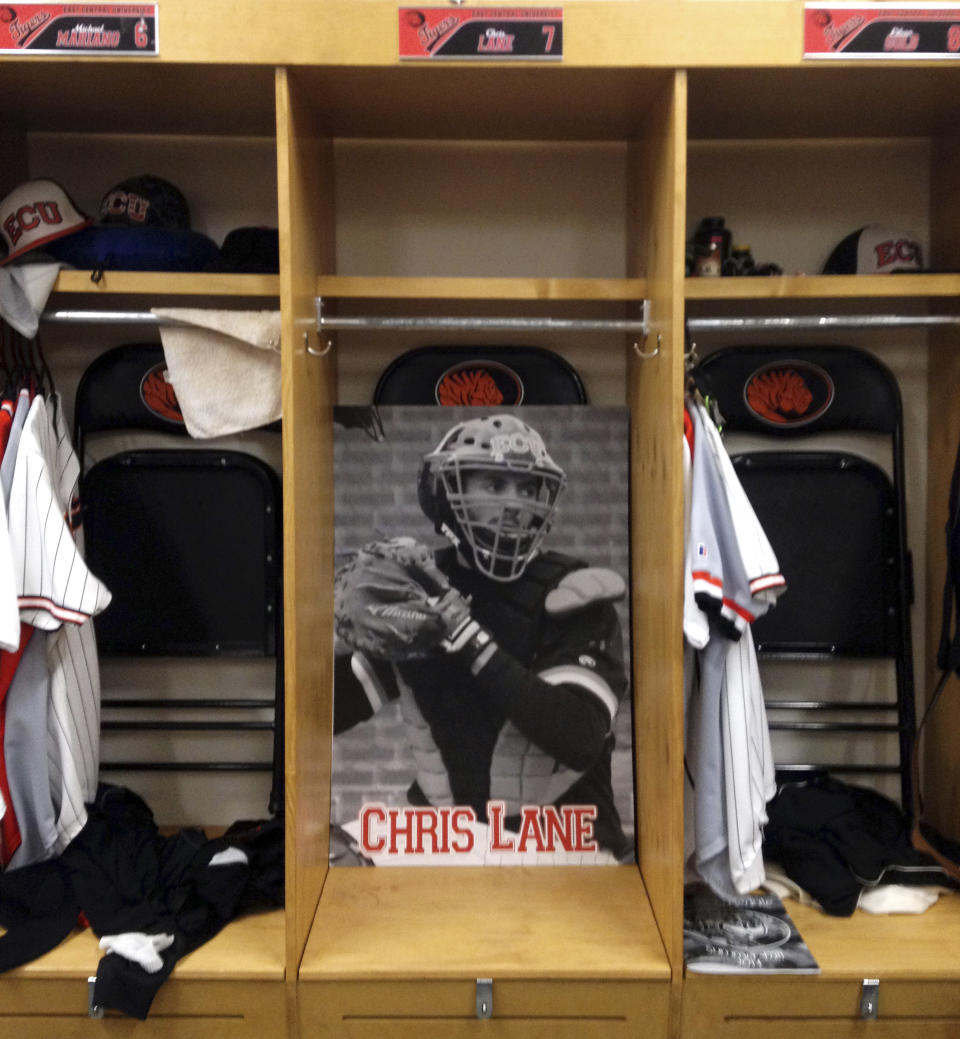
x: 653, y: 353
x: 313, y: 352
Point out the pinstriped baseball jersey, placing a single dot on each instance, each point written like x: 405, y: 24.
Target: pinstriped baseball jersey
x: 56, y: 591
x: 73, y: 716
x: 729, y: 759
x: 54, y: 583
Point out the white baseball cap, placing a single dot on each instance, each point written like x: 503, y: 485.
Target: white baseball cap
x: 37, y: 212
x: 875, y: 249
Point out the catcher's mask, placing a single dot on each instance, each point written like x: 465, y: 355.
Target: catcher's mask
x: 491, y: 487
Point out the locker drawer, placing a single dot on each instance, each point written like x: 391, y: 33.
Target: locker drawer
x: 816, y: 1008
x: 231, y: 987
x: 560, y: 1009
x: 181, y: 1010
x: 571, y: 951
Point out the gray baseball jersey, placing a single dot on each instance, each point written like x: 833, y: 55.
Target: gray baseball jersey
x: 25, y: 754
x: 734, y: 577
x: 73, y: 716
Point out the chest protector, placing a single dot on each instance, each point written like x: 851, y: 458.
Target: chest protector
x: 465, y: 752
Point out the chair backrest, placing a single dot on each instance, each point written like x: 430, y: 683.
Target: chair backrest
x: 784, y: 392
x: 186, y: 541
x: 187, y: 537
x: 836, y: 520
x: 830, y: 519
x: 477, y: 375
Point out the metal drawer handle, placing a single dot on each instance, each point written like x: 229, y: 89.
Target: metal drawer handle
x: 870, y: 999
x: 92, y: 1009
x: 484, y: 998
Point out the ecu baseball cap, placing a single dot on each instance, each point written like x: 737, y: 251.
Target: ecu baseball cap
x: 36, y: 213
x: 145, y: 201
x: 144, y: 225
x: 875, y: 249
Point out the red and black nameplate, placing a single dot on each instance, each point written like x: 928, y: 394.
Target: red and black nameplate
x: 466, y: 33
x: 881, y: 31
x: 79, y: 29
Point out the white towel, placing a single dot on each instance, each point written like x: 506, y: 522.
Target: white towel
x: 138, y: 947
x: 224, y: 366
x: 24, y: 290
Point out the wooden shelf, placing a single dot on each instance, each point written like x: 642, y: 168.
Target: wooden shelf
x: 529, y: 289
x: 919, y: 987
x: 820, y: 286
x: 550, y: 921
x: 889, y: 947
x: 163, y: 283
x: 249, y: 948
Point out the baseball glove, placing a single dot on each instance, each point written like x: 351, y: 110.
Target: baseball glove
x: 391, y: 601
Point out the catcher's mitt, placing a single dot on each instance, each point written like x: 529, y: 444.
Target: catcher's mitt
x: 391, y: 601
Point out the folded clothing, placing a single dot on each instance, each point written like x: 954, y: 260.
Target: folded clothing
x: 836, y: 839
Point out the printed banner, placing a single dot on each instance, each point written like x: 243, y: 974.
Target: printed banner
x: 881, y: 31
x: 79, y: 29
x: 466, y: 34
x: 482, y: 705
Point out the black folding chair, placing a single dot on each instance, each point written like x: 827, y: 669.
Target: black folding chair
x: 188, y: 540
x: 837, y: 522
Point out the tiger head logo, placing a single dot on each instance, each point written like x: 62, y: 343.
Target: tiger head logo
x: 790, y: 393
x: 479, y: 383
x: 158, y: 396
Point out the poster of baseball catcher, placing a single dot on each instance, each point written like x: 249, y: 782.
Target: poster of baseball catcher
x: 481, y: 613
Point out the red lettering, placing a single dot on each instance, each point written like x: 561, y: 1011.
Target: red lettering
x: 495, y: 813
x: 26, y: 218
x: 557, y: 828
x: 462, y: 821
x: 398, y: 830
x: 22, y: 219
x: 902, y: 250
x: 115, y: 203
x: 530, y: 829
x: 367, y: 814
x: 584, y: 817
x: 49, y: 212
x: 426, y: 824
x: 137, y: 207
x: 13, y: 230
x: 416, y: 831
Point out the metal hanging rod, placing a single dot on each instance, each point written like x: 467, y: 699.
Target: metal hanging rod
x: 333, y: 323
x: 104, y: 317
x: 641, y: 326
x: 816, y: 322
x: 478, y: 324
